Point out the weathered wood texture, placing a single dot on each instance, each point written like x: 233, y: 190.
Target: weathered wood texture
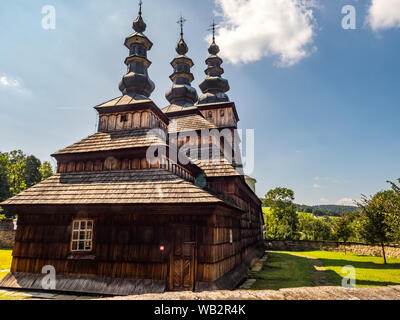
x: 118, y: 164
x: 193, y: 122
x: 102, y: 141
x: 114, y: 187
x: 129, y: 120
x: 223, y: 117
x: 91, y: 285
x: 125, y: 246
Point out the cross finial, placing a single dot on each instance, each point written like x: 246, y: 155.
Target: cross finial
x: 213, y: 27
x: 181, y: 21
x: 140, y: 7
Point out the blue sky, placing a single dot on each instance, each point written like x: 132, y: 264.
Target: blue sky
x: 324, y: 101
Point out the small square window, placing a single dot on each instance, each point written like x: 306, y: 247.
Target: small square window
x: 222, y: 113
x: 209, y: 115
x: 230, y: 236
x: 82, y: 235
x: 124, y: 118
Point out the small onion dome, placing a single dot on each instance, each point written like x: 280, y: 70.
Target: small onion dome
x: 214, y: 86
x: 182, y: 93
x: 139, y: 25
x: 213, y: 49
x: 136, y: 81
x: 182, y: 47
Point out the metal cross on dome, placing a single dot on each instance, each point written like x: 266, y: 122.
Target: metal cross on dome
x: 213, y: 28
x: 140, y: 6
x: 181, y: 21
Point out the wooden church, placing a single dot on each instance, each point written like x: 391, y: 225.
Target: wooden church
x: 112, y: 221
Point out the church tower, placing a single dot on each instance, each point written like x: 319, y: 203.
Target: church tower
x: 136, y: 83
x: 214, y: 103
x: 214, y: 86
x: 182, y: 93
x: 134, y: 109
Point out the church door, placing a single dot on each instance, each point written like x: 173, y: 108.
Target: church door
x: 182, y: 267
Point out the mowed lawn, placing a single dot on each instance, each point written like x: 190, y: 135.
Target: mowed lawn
x: 5, y: 261
x: 5, y: 264
x: 323, y: 268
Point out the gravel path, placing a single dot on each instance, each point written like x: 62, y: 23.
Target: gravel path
x: 314, y: 293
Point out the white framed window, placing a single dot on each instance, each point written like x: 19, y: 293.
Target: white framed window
x: 82, y: 235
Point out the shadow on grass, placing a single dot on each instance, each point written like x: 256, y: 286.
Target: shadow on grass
x: 284, y: 270
x: 359, y: 264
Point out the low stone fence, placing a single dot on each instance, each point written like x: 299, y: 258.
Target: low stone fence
x: 300, y: 245
x: 7, y: 234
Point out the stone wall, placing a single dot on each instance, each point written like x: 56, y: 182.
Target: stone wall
x: 391, y: 251
x: 7, y: 239
x: 7, y: 234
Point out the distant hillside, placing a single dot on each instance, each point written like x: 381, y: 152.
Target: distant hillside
x: 326, y: 210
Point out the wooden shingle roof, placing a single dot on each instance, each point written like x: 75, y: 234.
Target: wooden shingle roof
x: 189, y: 123
x: 217, y: 168
x: 147, y: 186
x: 123, y: 101
x: 175, y: 108
x: 114, y: 141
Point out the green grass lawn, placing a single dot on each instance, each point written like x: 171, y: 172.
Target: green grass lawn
x: 283, y: 270
x: 316, y: 268
x: 5, y: 261
x: 370, y: 271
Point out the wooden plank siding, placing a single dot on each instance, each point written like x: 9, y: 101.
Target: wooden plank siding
x: 125, y: 246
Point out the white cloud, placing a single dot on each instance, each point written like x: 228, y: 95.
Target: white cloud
x: 316, y: 186
x: 384, y: 14
x: 324, y: 200
x: 253, y: 29
x: 14, y: 84
x: 346, y: 202
x: 8, y: 82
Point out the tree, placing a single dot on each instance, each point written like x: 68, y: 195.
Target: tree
x: 342, y: 229
x: 46, y: 170
x: 393, y: 214
x: 314, y: 229
x: 17, y: 162
x: 32, y: 171
x: 4, y: 179
x: 374, y: 216
x: 271, y: 224
x: 305, y: 226
x: 283, y: 221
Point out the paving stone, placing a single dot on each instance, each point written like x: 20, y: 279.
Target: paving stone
x: 41, y: 295
x: 65, y: 297
x: 248, y: 284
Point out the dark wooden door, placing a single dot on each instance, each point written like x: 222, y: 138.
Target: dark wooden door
x: 183, y: 258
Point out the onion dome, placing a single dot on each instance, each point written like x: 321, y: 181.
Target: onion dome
x: 182, y: 93
x: 214, y: 86
x: 136, y: 83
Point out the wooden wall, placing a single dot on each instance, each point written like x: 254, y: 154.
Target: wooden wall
x: 221, y: 117
x: 125, y: 245
x: 134, y: 120
x: 113, y: 163
x: 217, y: 255
x: 235, y: 190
